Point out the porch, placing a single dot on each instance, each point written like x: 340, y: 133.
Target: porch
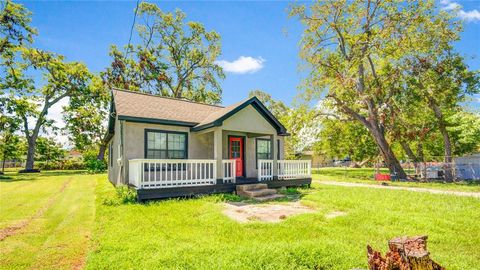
x: 164, y: 178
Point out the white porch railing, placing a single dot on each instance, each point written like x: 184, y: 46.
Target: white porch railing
x: 228, y: 169
x: 294, y: 169
x: 265, y: 169
x: 166, y: 173
x: 286, y: 169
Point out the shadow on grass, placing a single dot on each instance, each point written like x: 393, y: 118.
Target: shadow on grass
x: 16, y: 177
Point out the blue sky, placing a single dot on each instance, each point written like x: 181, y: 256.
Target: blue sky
x: 261, y: 32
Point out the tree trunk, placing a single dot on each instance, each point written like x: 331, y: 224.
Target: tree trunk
x: 446, y: 141
x: 408, y: 151
x: 32, y: 143
x: 388, y: 156
x: 101, y: 151
x: 3, y: 164
x: 405, y: 253
x: 420, y: 155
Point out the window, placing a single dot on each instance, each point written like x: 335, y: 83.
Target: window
x: 264, y: 149
x: 165, y: 145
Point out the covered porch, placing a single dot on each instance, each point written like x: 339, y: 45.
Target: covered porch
x: 165, y: 178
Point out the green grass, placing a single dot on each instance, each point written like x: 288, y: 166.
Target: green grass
x: 59, y: 235
x: 194, y: 234
x: 365, y: 175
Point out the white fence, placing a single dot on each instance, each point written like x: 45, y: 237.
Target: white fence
x: 228, y: 169
x: 286, y: 169
x: 165, y: 173
x: 294, y: 169
x: 265, y: 169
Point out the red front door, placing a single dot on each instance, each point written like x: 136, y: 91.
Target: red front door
x: 235, y: 152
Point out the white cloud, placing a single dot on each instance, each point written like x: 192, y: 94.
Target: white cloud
x: 451, y: 6
x: 469, y: 16
x: 244, y: 64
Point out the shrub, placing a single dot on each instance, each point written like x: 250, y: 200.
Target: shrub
x: 73, y: 164
x: 123, y: 195
x: 229, y: 197
x: 92, y: 164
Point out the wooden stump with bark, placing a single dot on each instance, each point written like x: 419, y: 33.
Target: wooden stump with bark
x: 405, y: 253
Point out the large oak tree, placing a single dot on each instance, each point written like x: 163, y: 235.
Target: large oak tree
x: 354, y: 49
x: 174, y: 58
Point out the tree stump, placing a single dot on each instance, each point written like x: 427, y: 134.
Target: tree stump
x: 405, y: 253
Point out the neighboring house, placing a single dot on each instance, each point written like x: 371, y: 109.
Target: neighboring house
x: 74, y: 154
x: 167, y: 147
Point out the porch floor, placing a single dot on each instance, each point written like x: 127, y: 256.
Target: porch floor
x: 171, y: 192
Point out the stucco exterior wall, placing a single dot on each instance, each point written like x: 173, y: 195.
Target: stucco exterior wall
x: 248, y: 120
x: 247, y: 123
x: 114, y: 174
x: 200, y: 146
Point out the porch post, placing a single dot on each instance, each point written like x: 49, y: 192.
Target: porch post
x: 273, y: 139
x: 217, y: 150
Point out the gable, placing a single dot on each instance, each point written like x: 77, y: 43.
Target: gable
x: 248, y: 120
x: 219, y: 117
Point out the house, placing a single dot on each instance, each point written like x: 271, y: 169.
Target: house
x: 167, y: 147
x: 74, y: 154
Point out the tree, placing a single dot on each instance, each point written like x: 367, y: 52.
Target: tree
x: 175, y: 58
x: 14, y: 26
x: 340, y: 138
x: 10, y: 144
x: 49, y: 150
x: 466, y: 132
x: 28, y: 100
x: 85, y: 118
x: 355, y: 48
x: 442, y: 80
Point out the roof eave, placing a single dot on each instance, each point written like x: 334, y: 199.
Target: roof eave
x: 147, y: 120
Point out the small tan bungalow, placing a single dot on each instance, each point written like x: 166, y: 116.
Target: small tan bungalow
x: 167, y: 147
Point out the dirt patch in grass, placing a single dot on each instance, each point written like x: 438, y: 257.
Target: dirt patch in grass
x: 335, y: 214
x: 243, y: 213
x: 12, y: 230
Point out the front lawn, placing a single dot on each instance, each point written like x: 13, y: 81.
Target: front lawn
x: 366, y: 175
x: 194, y: 234
x: 80, y: 226
x: 49, y: 218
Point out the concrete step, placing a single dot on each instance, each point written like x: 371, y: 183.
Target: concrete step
x: 257, y: 192
x: 251, y: 187
x: 269, y: 197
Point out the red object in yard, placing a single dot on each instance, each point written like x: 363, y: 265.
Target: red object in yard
x: 382, y: 177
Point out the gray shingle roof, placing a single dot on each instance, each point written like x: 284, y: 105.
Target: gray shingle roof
x: 199, y: 116
x: 141, y: 105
